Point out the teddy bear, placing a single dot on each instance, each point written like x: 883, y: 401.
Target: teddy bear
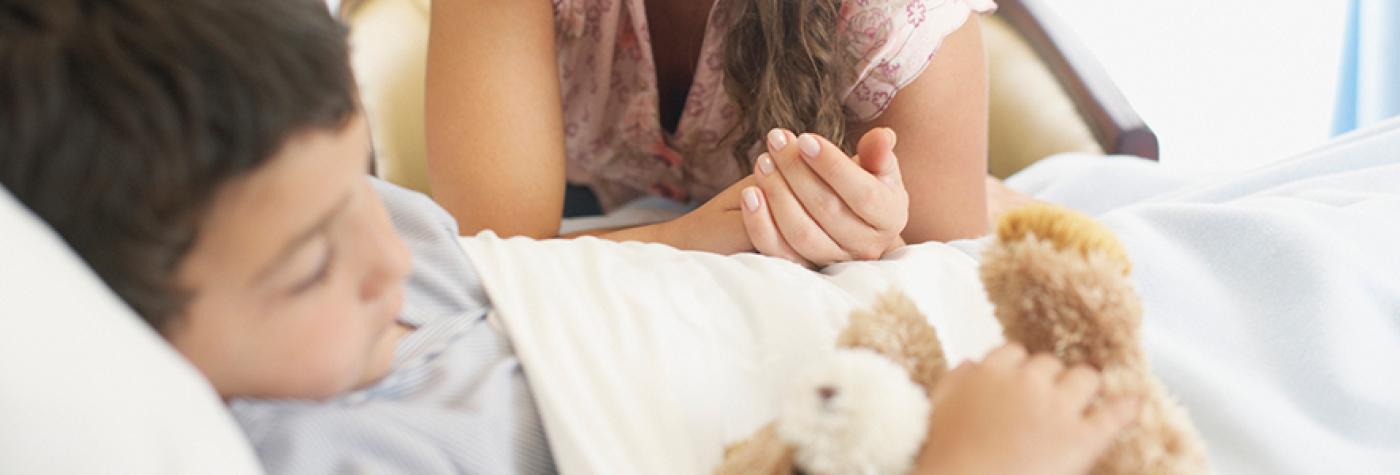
x: 1059, y: 283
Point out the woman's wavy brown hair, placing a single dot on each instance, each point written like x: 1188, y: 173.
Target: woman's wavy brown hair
x: 784, y: 67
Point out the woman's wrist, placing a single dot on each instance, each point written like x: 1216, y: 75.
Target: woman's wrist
x: 704, y: 229
x: 669, y: 233
x: 709, y: 228
x: 677, y: 233
x: 644, y: 233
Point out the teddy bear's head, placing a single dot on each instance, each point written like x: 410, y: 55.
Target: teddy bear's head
x: 1059, y: 282
x: 855, y: 413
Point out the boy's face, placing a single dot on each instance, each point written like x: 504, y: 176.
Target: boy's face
x: 297, y: 275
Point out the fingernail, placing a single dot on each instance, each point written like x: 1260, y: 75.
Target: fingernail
x: 894, y: 138
x: 765, y: 164
x: 751, y: 199
x: 777, y: 139
x: 809, y: 145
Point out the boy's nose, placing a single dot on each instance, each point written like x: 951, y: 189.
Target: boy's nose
x: 390, y: 264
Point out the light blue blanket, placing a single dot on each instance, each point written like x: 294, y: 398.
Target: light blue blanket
x: 1272, y: 298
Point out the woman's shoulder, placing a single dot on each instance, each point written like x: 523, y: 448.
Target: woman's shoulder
x: 867, y: 18
x: 893, y: 41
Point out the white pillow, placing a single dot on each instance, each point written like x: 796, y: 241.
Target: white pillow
x: 87, y: 386
x: 646, y: 359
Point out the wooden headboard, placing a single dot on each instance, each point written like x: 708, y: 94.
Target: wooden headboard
x: 1116, y: 126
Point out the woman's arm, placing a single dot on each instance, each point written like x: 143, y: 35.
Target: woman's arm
x: 715, y: 226
x: 941, y: 119
x: 496, y: 133
x: 495, y: 126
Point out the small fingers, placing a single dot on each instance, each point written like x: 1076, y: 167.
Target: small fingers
x: 1009, y: 355
x: 1044, y: 367
x: 1079, y: 385
x: 951, y: 378
x: 763, y: 233
x: 1106, y: 421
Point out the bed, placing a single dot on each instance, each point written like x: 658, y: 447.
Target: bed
x: 1272, y: 300
x: 1272, y: 311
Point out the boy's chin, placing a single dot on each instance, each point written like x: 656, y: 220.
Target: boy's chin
x: 372, y: 375
x: 381, y: 357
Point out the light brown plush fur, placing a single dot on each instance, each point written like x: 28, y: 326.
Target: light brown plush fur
x: 1059, y: 282
x: 895, y: 329
x: 761, y: 453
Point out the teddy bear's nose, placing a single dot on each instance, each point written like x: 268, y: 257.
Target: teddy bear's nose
x: 826, y: 393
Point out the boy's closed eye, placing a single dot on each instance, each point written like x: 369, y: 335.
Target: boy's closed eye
x: 321, y: 256
x: 307, y: 259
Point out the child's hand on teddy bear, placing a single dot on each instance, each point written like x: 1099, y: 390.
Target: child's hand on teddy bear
x: 1015, y: 413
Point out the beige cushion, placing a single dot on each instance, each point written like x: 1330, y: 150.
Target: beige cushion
x: 389, y: 51
x: 1031, y: 115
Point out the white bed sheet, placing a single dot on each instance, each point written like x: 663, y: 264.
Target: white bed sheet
x: 645, y: 359
x: 1272, y: 306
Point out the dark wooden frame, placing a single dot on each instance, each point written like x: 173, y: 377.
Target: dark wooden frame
x: 1116, y: 126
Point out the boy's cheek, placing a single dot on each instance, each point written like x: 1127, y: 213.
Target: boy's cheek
x: 339, y: 360
x: 322, y: 370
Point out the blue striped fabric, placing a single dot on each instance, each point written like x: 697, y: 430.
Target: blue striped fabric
x: 455, y: 401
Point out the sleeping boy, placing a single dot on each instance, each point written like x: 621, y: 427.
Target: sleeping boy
x: 207, y: 159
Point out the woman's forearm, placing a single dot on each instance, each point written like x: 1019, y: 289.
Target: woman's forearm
x: 681, y: 233
x: 643, y: 233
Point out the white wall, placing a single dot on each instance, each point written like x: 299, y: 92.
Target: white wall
x: 1227, y: 85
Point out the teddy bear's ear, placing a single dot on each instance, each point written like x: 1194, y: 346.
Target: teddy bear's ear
x: 1068, y: 230
x: 762, y: 454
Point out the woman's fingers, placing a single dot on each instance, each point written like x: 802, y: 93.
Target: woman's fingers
x: 828, y: 209
x: 876, y: 155
x: 762, y: 231
x: 801, y: 232
x: 880, y: 204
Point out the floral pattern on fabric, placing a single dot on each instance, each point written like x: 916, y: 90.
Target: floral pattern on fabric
x: 613, y: 136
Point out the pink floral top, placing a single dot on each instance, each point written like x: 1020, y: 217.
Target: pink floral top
x: 613, y: 134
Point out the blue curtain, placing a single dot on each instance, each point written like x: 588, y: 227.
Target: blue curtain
x: 1369, y: 89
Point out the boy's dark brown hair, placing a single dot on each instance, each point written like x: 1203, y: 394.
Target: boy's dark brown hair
x: 121, y: 119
